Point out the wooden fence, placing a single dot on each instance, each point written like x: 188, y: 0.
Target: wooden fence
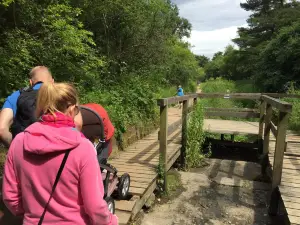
x: 268, y: 103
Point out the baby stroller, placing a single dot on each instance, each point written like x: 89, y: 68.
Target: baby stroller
x: 93, y: 129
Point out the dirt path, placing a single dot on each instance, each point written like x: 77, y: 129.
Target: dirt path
x: 207, y: 201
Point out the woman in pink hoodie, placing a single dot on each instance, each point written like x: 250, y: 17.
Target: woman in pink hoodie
x: 35, y: 156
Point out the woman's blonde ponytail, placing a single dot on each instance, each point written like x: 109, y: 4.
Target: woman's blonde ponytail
x: 55, y: 97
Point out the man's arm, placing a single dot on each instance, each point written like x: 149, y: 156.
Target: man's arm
x: 6, y: 120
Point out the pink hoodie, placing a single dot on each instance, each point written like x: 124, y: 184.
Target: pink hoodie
x: 33, y: 160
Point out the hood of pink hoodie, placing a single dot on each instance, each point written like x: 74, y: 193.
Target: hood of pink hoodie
x: 43, y: 139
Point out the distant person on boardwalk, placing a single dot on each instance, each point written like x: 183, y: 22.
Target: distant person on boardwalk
x: 19, y: 108
x: 180, y: 93
x: 49, y: 152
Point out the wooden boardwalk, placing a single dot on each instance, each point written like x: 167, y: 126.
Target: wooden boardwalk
x: 290, y: 180
x: 140, y: 160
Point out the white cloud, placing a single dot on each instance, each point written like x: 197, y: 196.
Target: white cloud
x: 210, y: 42
x: 214, y: 23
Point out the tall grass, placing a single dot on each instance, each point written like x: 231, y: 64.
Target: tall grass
x: 294, y: 120
x: 220, y: 85
x: 195, y: 137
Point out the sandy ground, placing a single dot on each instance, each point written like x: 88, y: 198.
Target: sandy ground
x: 207, y: 201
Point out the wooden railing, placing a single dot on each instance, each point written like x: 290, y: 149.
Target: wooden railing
x: 165, y: 129
x: 268, y: 104
x: 264, y: 113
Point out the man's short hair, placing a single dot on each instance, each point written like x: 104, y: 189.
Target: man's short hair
x: 36, y: 69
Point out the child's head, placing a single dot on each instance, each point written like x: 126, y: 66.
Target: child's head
x: 57, y: 97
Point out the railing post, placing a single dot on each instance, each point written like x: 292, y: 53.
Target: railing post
x: 261, y: 120
x: 184, y: 132
x: 163, y: 141
x: 278, y: 162
x: 279, y: 149
x: 268, y: 118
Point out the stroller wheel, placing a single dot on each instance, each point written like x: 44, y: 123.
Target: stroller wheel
x: 123, y: 187
x: 111, y: 204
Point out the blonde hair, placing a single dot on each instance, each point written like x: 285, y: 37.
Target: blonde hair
x: 55, y: 97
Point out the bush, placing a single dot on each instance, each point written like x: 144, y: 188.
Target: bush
x: 294, y: 120
x: 221, y: 85
x: 195, y: 137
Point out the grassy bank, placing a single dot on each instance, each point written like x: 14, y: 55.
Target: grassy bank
x: 245, y: 86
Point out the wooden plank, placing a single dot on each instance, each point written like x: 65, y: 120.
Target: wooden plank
x: 140, y: 203
x: 280, y: 147
x: 231, y: 95
x: 172, y: 127
x: 285, y: 180
x: 183, y: 133
x: 294, y: 220
x: 234, y: 114
x: 134, y: 171
x: 289, y: 184
x: 144, y: 167
x: 136, y: 191
x: 144, y: 180
x: 173, y: 159
x: 174, y: 100
x: 136, y: 165
x: 139, y: 184
x: 273, y: 129
x: 282, y: 95
x: 289, y: 191
x: 140, y: 157
x: 163, y: 140
x: 146, y: 176
x: 230, y: 127
x: 123, y: 217
x: 125, y: 205
x: 294, y: 212
x: 290, y: 199
x: 209, y: 109
x: 281, y: 105
x: 267, y: 128
x: 262, y: 109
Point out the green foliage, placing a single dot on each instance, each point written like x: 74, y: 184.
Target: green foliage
x: 195, y: 137
x: 294, y: 120
x: 122, y: 54
x: 221, y: 85
x: 160, y: 174
x: 269, y: 49
x: 202, y: 60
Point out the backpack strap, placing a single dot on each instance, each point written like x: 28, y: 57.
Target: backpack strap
x: 29, y: 88
x: 55, y: 184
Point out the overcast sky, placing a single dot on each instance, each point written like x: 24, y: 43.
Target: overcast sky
x: 214, y: 22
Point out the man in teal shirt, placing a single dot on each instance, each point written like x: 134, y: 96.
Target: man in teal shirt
x: 37, y: 76
x: 180, y: 93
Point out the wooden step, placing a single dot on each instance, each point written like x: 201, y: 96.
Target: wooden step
x: 123, y: 216
x: 124, y: 205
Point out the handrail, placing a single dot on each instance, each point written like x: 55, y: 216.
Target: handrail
x: 251, y: 96
x: 266, y: 126
x: 231, y: 95
x: 281, y: 105
x: 173, y: 100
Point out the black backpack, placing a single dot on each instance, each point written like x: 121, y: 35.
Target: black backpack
x: 25, y: 115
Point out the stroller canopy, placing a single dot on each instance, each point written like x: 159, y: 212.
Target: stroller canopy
x: 92, y: 124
